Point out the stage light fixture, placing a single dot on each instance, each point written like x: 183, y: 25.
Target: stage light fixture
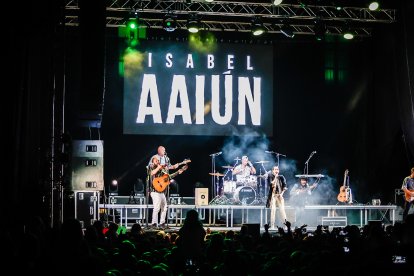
x: 348, y: 34
x: 208, y: 1
x: 287, y: 30
x: 277, y: 2
x: 113, y: 187
x: 319, y: 30
x: 139, y: 186
x: 169, y: 24
x: 193, y: 25
x: 257, y: 27
x: 373, y: 6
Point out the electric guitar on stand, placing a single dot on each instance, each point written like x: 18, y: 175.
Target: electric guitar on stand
x: 161, y: 183
x: 345, y: 195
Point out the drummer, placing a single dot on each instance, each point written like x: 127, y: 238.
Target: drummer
x: 245, y: 168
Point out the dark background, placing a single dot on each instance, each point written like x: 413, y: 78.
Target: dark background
x: 362, y: 120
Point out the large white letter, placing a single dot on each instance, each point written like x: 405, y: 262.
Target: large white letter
x: 249, y: 67
x: 210, y: 61
x: 190, y: 62
x: 215, y: 99
x: 168, y: 57
x: 179, y: 89
x: 245, y: 93
x: 149, y: 86
x: 199, y: 118
x: 230, y: 62
x: 149, y: 59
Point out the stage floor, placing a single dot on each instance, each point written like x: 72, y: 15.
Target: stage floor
x: 233, y: 216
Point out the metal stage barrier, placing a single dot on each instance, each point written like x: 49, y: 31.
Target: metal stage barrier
x: 231, y: 215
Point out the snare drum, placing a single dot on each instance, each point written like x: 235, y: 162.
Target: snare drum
x: 245, y: 195
x: 229, y: 187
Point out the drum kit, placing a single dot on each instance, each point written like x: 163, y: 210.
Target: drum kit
x: 239, y: 189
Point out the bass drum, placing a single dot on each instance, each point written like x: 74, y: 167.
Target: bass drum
x: 229, y: 187
x: 245, y: 195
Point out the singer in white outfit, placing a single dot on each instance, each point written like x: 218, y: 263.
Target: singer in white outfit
x: 159, y: 164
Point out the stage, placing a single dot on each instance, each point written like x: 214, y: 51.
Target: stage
x: 233, y: 216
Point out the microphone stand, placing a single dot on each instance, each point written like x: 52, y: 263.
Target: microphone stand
x: 306, y: 169
x: 147, y: 196
x: 278, y: 161
x: 277, y: 155
x: 213, y: 179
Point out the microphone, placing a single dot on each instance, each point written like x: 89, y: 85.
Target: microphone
x: 268, y: 151
x: 216, y: 154
x: 314, y: 152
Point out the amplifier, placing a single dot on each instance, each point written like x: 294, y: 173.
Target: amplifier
x: 334, y: 221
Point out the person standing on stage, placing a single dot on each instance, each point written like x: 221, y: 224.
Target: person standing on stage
x: 159, y: 165
x: 299, y: 195
x: 245, y: 168
x: 408, y: 188
x: 275, y: 197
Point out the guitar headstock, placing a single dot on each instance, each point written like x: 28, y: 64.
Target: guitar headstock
x: 186, y: 161
x: 346, y: 172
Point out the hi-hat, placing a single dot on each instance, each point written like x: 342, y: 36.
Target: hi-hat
x: 261, y: 162
x: 227, y: 167
x: 216, y: 174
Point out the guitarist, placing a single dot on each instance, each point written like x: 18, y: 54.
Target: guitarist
x: 299, y: 195
x: 159, y: 164
x: 275, y: 197
x: 408, y: 188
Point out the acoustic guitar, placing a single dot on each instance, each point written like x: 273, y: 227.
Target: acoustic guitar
x: 161, y: 183
x: 408, y: 197
x: 343, y: 195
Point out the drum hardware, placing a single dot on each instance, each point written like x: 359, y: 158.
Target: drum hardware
x: 237, y: 159
x: 261, y: 162
x: 227, y: 167
x: 216, y: 174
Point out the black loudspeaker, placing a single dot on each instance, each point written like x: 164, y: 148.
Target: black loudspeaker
x: 87, y: 165
x: 253, y: 229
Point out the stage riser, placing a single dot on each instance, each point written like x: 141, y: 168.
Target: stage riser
x: 229, y: 215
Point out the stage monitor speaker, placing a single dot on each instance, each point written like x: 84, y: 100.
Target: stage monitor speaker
x: 87, y: 165
x: 201, y: 196
x: 253, y: 229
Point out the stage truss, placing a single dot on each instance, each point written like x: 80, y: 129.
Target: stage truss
x: 227, y: 16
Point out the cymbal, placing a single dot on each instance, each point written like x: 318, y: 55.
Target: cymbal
x: 261, y: 162
x: 227, y: 167
x: 262, y: 176
x: 216, y: 174
x: 237, y: 159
